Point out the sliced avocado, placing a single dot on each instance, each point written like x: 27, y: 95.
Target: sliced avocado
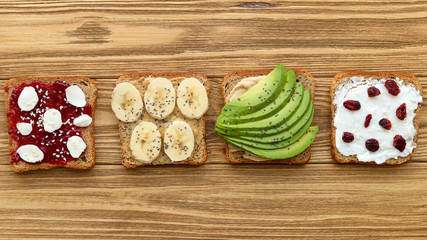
x: 258, y: 96
x: 298, y: 122
x: 271, y: 108
x: 275, y: 130
x: 281, y: 153
x: 295, y: 105
x: 281, y: 140
x: 281, y: 124
x: 295, y: 118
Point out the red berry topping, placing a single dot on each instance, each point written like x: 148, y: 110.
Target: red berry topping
x: 392, y: 87
x: 401, y: 111
x: 385, y: 123
x: 372, y: 145
x: 347, y: 137
x: 399, y: 143
x: 373, y: 91
x: 368, y: 120
x: 352, y: 105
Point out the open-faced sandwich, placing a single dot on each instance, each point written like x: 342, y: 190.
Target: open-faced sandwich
x: 162, y: 118
x: 375, y: 117
x: 267, y: 116
x: 50, y: 122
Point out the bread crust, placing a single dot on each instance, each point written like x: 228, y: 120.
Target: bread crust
x: 87, y: 132
x: 191, y: 160
x: 301, y: 158
x: 340, y: 79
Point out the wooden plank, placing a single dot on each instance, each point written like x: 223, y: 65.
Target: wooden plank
x: 107, y: 39
x: 110, y: 202
x: 107, y: 141
x: 321, y: 200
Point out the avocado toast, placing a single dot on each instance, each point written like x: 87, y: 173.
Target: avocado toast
x: 271, y: 120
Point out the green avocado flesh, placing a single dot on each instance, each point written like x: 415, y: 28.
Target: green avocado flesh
x: 272, y: 119
x: 297, y: 117
x: 287, y: 115
x: 280, y: 140
x: 273, y: 107
x: 286, y: 152
x: 258, y: 96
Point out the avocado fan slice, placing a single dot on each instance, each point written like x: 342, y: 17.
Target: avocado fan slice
x: 301, y: 113
x: 258, y: 96
x: 299, y: 101
x: 287, y: 152
x: 270, y: 109
x: 275, y: 130
x: 298, y: 114
x: 277, y: 141
x: 298, y: 122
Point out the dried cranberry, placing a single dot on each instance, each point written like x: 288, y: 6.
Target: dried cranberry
x: 372, y: 145
x: 392, y: 87
x: 373, y: 91
x: 347, y: 137
x: 385, y: 123
x: 401, y: 111
x: 352, y: 105
x: 368, y: 120
x: 399, y: 143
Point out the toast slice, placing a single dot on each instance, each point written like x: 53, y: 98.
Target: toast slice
x: 141, y: 81
x: 345, y: 77
x: 237, y: 155
x: 87, y: 160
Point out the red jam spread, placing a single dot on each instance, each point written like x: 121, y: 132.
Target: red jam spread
x: 52, y: 144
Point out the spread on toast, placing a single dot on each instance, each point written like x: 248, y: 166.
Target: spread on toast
x: 269, y: 116
x: 374, y: 118
x: 46, y: 120
x: 163, y: 115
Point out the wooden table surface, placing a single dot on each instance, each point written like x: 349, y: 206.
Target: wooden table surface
x: 321, y: 200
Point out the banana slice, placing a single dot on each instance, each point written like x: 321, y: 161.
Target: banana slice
x: 178, y: 141
x: 145, y: 142
x: 159, y: 99
x: 192, y: 98
x: 126, y: 102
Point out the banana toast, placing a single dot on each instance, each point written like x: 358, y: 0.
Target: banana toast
x: 163, y: 118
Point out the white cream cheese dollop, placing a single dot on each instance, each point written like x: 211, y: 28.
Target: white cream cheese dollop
x: 28, y: 99
x: 24, y: 128
x: 381, y: 106
x: 76, y: 146
x: 82, y: 121
x: 75, y: 96
x: 30, y: 153
x: 52, y: 120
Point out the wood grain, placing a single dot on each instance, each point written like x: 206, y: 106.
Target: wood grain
x: 321, y: 200
x: 226, y: 202
x: 106, y: 39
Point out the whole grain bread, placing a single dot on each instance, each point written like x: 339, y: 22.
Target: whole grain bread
x: 237, y: 155
x: 141, y: 81
x: 342, y: 78
x: 87, y: 160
